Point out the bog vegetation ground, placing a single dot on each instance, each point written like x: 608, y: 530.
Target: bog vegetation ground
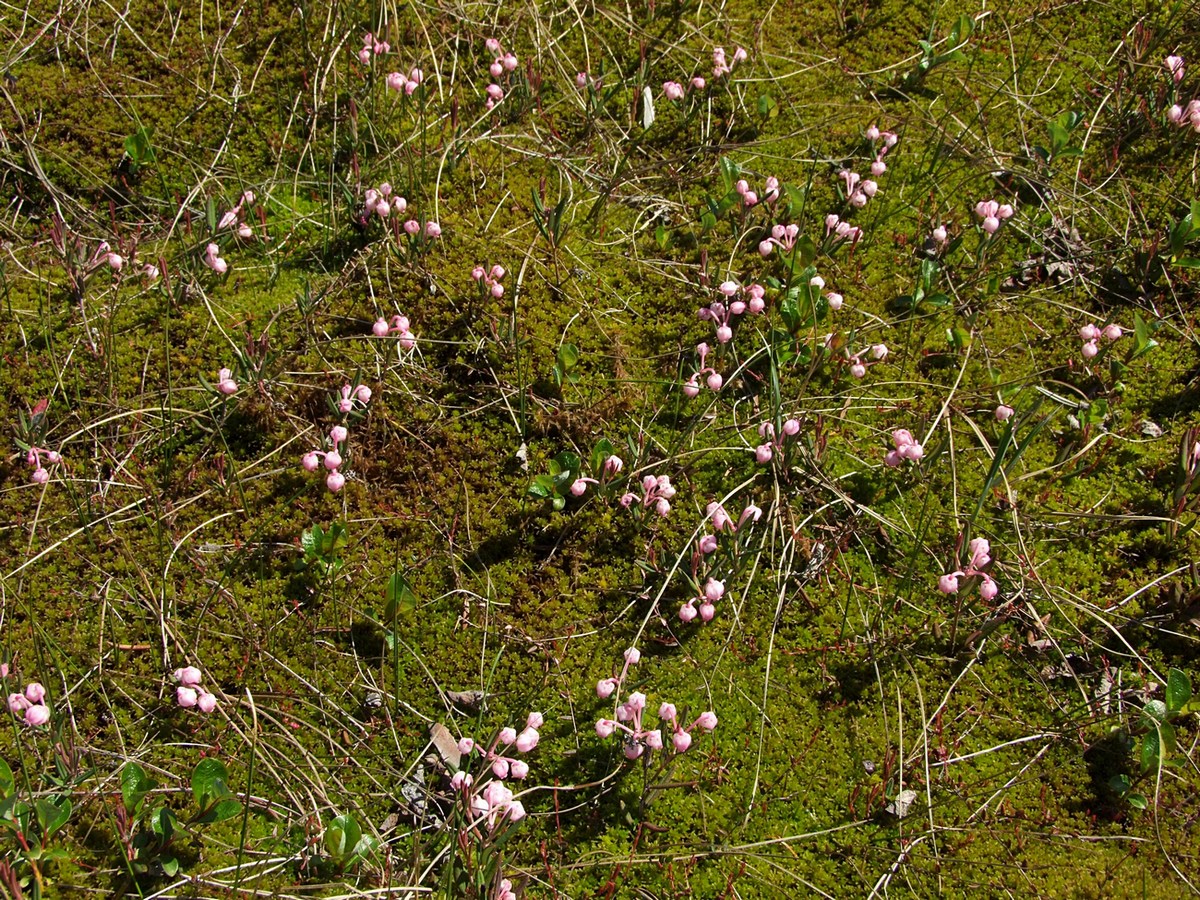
x: 571, y: 450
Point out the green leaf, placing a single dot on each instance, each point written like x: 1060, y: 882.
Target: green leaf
x: 341, y: 837
x: 400, y: 597
x: 1155, y: 711
x: 8, y: 785
x: 162, y: 823
x: 170, y: 866
x: 1179, y: 690
x: 805, y: 251
x: 134, y: 786
x: 221, y: 811
x: 568, y: 357
x: 310, y: 541
x: 730, y: 172
x: 209, y: 782
x: 1187, y: 262
x: 602, y: 451
x: 139, y: 149
x: 52, y: 816
x: 1137, y: 801
x: 542, y: 486
x: 767, y: 107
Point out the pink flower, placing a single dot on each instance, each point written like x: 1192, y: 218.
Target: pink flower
x: 335, y: 481
x: 1090, y: 349
x: 1113, y: 332
x: 34, y: 692
x: 527, y: 740
x: 1174, y: 66
x: 632, y: 656
x: 682, y: 740
x: 37, y: 715
x: 988, y: 590
x: 834, y: 300
x: 508, y: 736
x: 948, y: 584
x: 186, y: 696
x: 17, y: 704
x: 225, y: 383
x: 188, y: 676
x: 518, y: 769
x: 605, y: 727
x: 939, y: 234
x: 763, y: 454
x: 672, y: 90
x: 707, y: 720
x: 1004, y: 413
x: 206, y: 702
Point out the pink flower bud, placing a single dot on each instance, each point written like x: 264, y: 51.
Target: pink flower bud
x: 245, y: 232
x: 834, y: 300
x: 509, y: 61
x: 496, y: 69
x: 687, y: 612
x: 534, y: 720
x: 913, y: 452
x: 991, y: 224
x: 698, y: 83
x: 980, y: 551
x: 34, y: 692
x: 707, y: 611
x: 40, y: 476
x: 714, y: 590
x: 858, y: 370
x: 364, y: 55
x: 37, y: 715
x: 1174, y: 66
x: 477, y: 273
x: 690, y: 388
x: 380, y: 328
x: 763, y: 454
x: 578, y: 487
x: 411, y: 227
x: 495, y: 93
x: 17, y: 704
x: 662, y: 507
x: 206, y: 702
x: 1089, y: 333
x: 186, y: 696
x: 627, y: 499
x: 1175, y: 114
x: 115, y: 262
x: 613, y: 465
x: 724, y: 334
x: 1113, y: 332
x: 188, y: 676
x: 682, y: 740
x: 396, y: 81
x: 527, y: 740
x: 893, y: 459
x: 708, y: 543
x: 707, y: 720
x: 605, y: 727
x: 764, y: 248
x: 1090, y: 349
x: 879, y: 351
x: 518, y: 769
x: 654, y: 739
x: 492, y: 45
x: 433, y: 230
x: 872, y: 133
x: 338, y: 433
x: 878, y: 167
x: 465, y: 746
x: 500, y: 767
x: 948, y: 584
x: 333, y: 459
x: 870, y: 188
x: 461, y: 781
x: 508, y: 736
x: 714, y: 381
x: 335, y: 481
x: 989, y: 589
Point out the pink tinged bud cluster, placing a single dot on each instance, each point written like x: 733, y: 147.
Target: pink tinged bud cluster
x: 992, y: 214
x: 751, y: 198
x: 371, y: 47
x: 30, y: 705
x: 213, y: 260
x: 782, y: 236
x: 981, y: 556
x: 331, y: 459
x: 721, y: 65
x: 639, y: 737
x: 190, y: 694
x: 503, y: 65
x: 877, y: 353
x: 1090, y: 335
x: 406, y: 84
x: 773, y: 443
x: 657, y: 492
x: 378, y: 201
x: 398, y: 325
x: 842, y: 231
x: 721, y: 312
x: 38, y: 458
x: 489, y: 279
x: 905, y: 446
x: 713, y: 591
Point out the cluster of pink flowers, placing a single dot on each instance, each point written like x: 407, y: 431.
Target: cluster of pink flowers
x: 639, y: 737
x: 225, y: 383
x: 722, y: 521
x: 980, y: 552
x: 887, y: 140
x: 721, y: 313
x: 212, y: 259
x: 396, y: 325
x: 371, y: 46
x: 190, y: 694
x: 41, y: 474
x: 750, y: 198
x: 612, y: 466
x: 765, y: 451
x: 496, y: 803
x: 606, y: 687
x: 1181, y: 115
x: 713, y: 591
x: 505, y: 890
x: 1090, y: 335
x: 351, y: 395
x: 656, y: 492
x: 993, y: 214
x: 841, y: 230
x: 906, y: 448
x: 720, y: 66
x: 106, y: 256
x: 490, y: 279
x: 673, y: 90
x: 332, y: 459
x: 714, y: 380
x: 234, y: 217
x: 858, y: 190
x: 858, y: 368
x: 380, y: 202
x: 398, y: 81
x: 503, y: 64
x: 782, y: 236
x: 583, y: 79
x: 31, y: 705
